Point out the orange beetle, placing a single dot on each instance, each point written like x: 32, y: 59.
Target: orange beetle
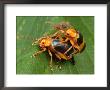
x: 72, y: 35
x: 62, y: 50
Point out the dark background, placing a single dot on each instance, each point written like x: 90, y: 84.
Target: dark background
x: 57, y: 1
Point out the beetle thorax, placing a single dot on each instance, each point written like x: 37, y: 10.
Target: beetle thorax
x: 71, y: 33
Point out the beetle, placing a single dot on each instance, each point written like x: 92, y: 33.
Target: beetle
x: 62, y: 50
x: 72, y: 35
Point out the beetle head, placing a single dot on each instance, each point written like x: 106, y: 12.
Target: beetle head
x: 71, y: 33
x: 45, y: 42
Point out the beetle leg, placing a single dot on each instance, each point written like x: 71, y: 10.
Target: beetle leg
x: 51, y: 58
x: 61, y: 56
x: 36, y: 53
x: 36, y: 41
x: 66, y: 40
x: 77, y: 47
x: 68, y: 50
x: 56, y: 34
x: 58, y: 56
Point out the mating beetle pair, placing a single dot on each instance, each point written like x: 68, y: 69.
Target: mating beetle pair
x: 64, y: 44
x: 72, y: 35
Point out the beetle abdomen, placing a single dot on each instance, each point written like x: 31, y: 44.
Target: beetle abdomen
x: 62, y: 47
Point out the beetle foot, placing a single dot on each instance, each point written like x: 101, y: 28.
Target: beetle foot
x: 51, y: 68
x: 34, y: 55
x: 60, y: 67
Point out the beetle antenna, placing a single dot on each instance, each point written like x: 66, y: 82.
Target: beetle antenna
x: 36, y: 41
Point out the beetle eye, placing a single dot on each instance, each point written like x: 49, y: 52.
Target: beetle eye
x: 67, y: 33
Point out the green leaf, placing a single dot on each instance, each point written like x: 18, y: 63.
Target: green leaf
x: 28, y: 28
